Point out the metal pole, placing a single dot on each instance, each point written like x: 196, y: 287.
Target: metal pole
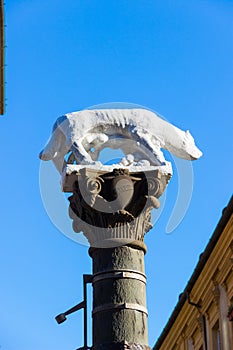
x: 85, y: 312
x: 86, y: 279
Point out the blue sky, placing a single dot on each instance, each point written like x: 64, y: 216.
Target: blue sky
x: 174, y: 57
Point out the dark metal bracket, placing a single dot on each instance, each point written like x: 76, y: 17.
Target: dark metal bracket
x: 198, y: 306
x: 83, y: 305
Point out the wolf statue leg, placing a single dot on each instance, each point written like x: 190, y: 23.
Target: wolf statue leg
x: 150, y: 146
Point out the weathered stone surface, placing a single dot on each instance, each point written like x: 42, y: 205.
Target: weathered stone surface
x: 118, y: 258
x: 121, y: 346
x: 120, y: 301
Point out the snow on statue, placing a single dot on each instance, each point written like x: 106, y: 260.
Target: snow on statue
x: 139, y: 133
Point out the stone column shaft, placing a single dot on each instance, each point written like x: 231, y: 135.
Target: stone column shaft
x: 119, y: 298
x: 113, y: 209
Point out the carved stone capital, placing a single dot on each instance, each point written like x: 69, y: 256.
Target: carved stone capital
x: 114, y: 207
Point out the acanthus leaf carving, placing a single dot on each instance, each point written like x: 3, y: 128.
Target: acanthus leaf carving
x: 115, y: 205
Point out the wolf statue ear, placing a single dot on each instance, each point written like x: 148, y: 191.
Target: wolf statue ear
x: 189, y: 136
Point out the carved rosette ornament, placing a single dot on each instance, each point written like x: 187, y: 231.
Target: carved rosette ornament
x: 113, y: 208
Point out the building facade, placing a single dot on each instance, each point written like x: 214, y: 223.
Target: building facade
x: 203, y: 317
x: 2, y: 65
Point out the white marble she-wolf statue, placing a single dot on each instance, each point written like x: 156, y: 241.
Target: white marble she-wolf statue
x: 139, y: 133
